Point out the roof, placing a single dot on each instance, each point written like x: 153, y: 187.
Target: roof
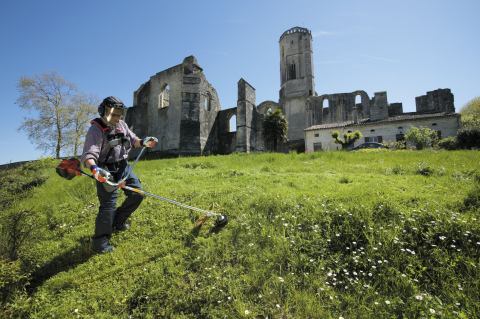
x: 398, y: 118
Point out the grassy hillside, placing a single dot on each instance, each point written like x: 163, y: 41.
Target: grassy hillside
x: 325, y: 235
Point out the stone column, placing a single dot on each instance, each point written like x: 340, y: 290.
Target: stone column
x: 245, y: 108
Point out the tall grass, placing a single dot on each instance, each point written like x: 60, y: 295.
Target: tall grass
x: 323, y: 235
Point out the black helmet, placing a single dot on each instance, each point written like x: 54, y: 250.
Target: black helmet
x: 110, y: 101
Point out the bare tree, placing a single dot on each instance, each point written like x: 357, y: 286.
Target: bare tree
x: 49, y: 96
x: 83, y: 109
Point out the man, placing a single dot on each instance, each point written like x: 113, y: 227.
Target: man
x: 105, y: 153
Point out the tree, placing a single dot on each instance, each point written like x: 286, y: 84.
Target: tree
x: 471, y: 114
x: 348, y: 138
x: 61, y: 113
x: 275, y: 127
x: 83, y: 109
x: 421, y: 137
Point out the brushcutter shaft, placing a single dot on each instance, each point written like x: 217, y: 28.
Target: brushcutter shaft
x: 171, y: 201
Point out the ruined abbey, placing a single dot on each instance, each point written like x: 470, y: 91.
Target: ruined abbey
x: 180, y: 107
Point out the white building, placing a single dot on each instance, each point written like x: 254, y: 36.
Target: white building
x: 392, y: 129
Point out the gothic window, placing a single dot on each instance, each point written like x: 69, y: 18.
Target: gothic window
x: 207, y: 103
x: 232, y: 124
x: 164, y: 97
x: 292, y: 73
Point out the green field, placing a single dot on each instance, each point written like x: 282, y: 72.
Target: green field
x: 370, y: 234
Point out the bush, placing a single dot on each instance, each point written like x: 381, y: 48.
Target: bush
x: 421, y: 137
x: 424, y: 169
x: 448, y: 143
x: 468, y: 137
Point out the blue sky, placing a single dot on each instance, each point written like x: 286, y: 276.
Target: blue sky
x: 109, y: 47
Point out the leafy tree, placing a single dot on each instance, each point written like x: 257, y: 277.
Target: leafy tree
x: 59, y: 112
x: 421, y: 137
x: 348, y: 138
x: 471, y: 114
x: 275, y: 127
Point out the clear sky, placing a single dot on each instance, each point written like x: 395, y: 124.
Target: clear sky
x: 111, y: 47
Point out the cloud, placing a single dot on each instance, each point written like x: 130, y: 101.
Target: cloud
x: 322, y: 33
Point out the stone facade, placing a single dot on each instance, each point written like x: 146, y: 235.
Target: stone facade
x: 182, y: 109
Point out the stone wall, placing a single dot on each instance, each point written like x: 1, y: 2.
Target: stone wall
x: 440, y: 100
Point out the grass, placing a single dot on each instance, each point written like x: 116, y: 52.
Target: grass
x: 324, y: 235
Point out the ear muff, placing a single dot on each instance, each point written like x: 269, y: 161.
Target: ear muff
x: 101, y: 110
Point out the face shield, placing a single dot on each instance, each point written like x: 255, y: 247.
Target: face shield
x: 114, y: 114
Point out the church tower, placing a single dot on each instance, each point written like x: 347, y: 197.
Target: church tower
x: 296, y: 78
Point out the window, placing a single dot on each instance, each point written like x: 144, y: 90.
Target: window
x: 372, y: 131
x: 439, y: 134
x: 292, y: 73
x: 400, y: 137
x: 317, y: 147
x: 325, y: 103
x: 358, y: 99
x: 434, y: 124
x: 207, y: 102
x: 232, y: 124
x: 349, y: 131
x: 374, y: 139
x: 317, y: 135
x: 400, y: 128
x: 164, y: 97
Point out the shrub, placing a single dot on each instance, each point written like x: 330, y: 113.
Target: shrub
x: 424, y: 169
x: 448, y: 143
x: 421, y: 137
x: 468, y: 137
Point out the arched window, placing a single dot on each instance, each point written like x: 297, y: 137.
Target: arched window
x: 325, y: 103
x: 164, y: 97
x: 207, y: 102
x: 358, y: 99
x: 292, y: 72
x: 232, y: 124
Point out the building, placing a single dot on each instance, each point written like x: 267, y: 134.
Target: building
x: 181, y: 108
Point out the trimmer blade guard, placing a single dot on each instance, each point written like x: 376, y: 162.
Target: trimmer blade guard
x: 220, y: 222
x: 68, y: 168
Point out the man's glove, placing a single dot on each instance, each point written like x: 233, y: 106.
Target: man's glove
x: 149, y: 142
x: 100, y: 174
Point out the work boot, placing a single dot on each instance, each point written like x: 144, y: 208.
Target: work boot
x: 122, y: 227
x: 101, y: 245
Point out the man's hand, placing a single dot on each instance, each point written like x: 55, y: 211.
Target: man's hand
x: 149, y: 142
x: 100, y: 174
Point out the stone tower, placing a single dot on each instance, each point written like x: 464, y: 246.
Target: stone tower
x: 296, y: 78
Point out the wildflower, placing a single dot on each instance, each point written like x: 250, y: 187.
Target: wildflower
x: 76, y: 310
x: 247, y: 312
x: 281, y: 279
x: 387, y: 302
x: 442, y: 237
x: 419, y: 297
x: 369, y: 274
x: 277, y: 305
x: 251, y: 244
x: 432, y: 311
x: 376, y: 303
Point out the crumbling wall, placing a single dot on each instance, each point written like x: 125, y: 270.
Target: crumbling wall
x: 341, y: 107
x: 440, y: 100
x: 379, y: 106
